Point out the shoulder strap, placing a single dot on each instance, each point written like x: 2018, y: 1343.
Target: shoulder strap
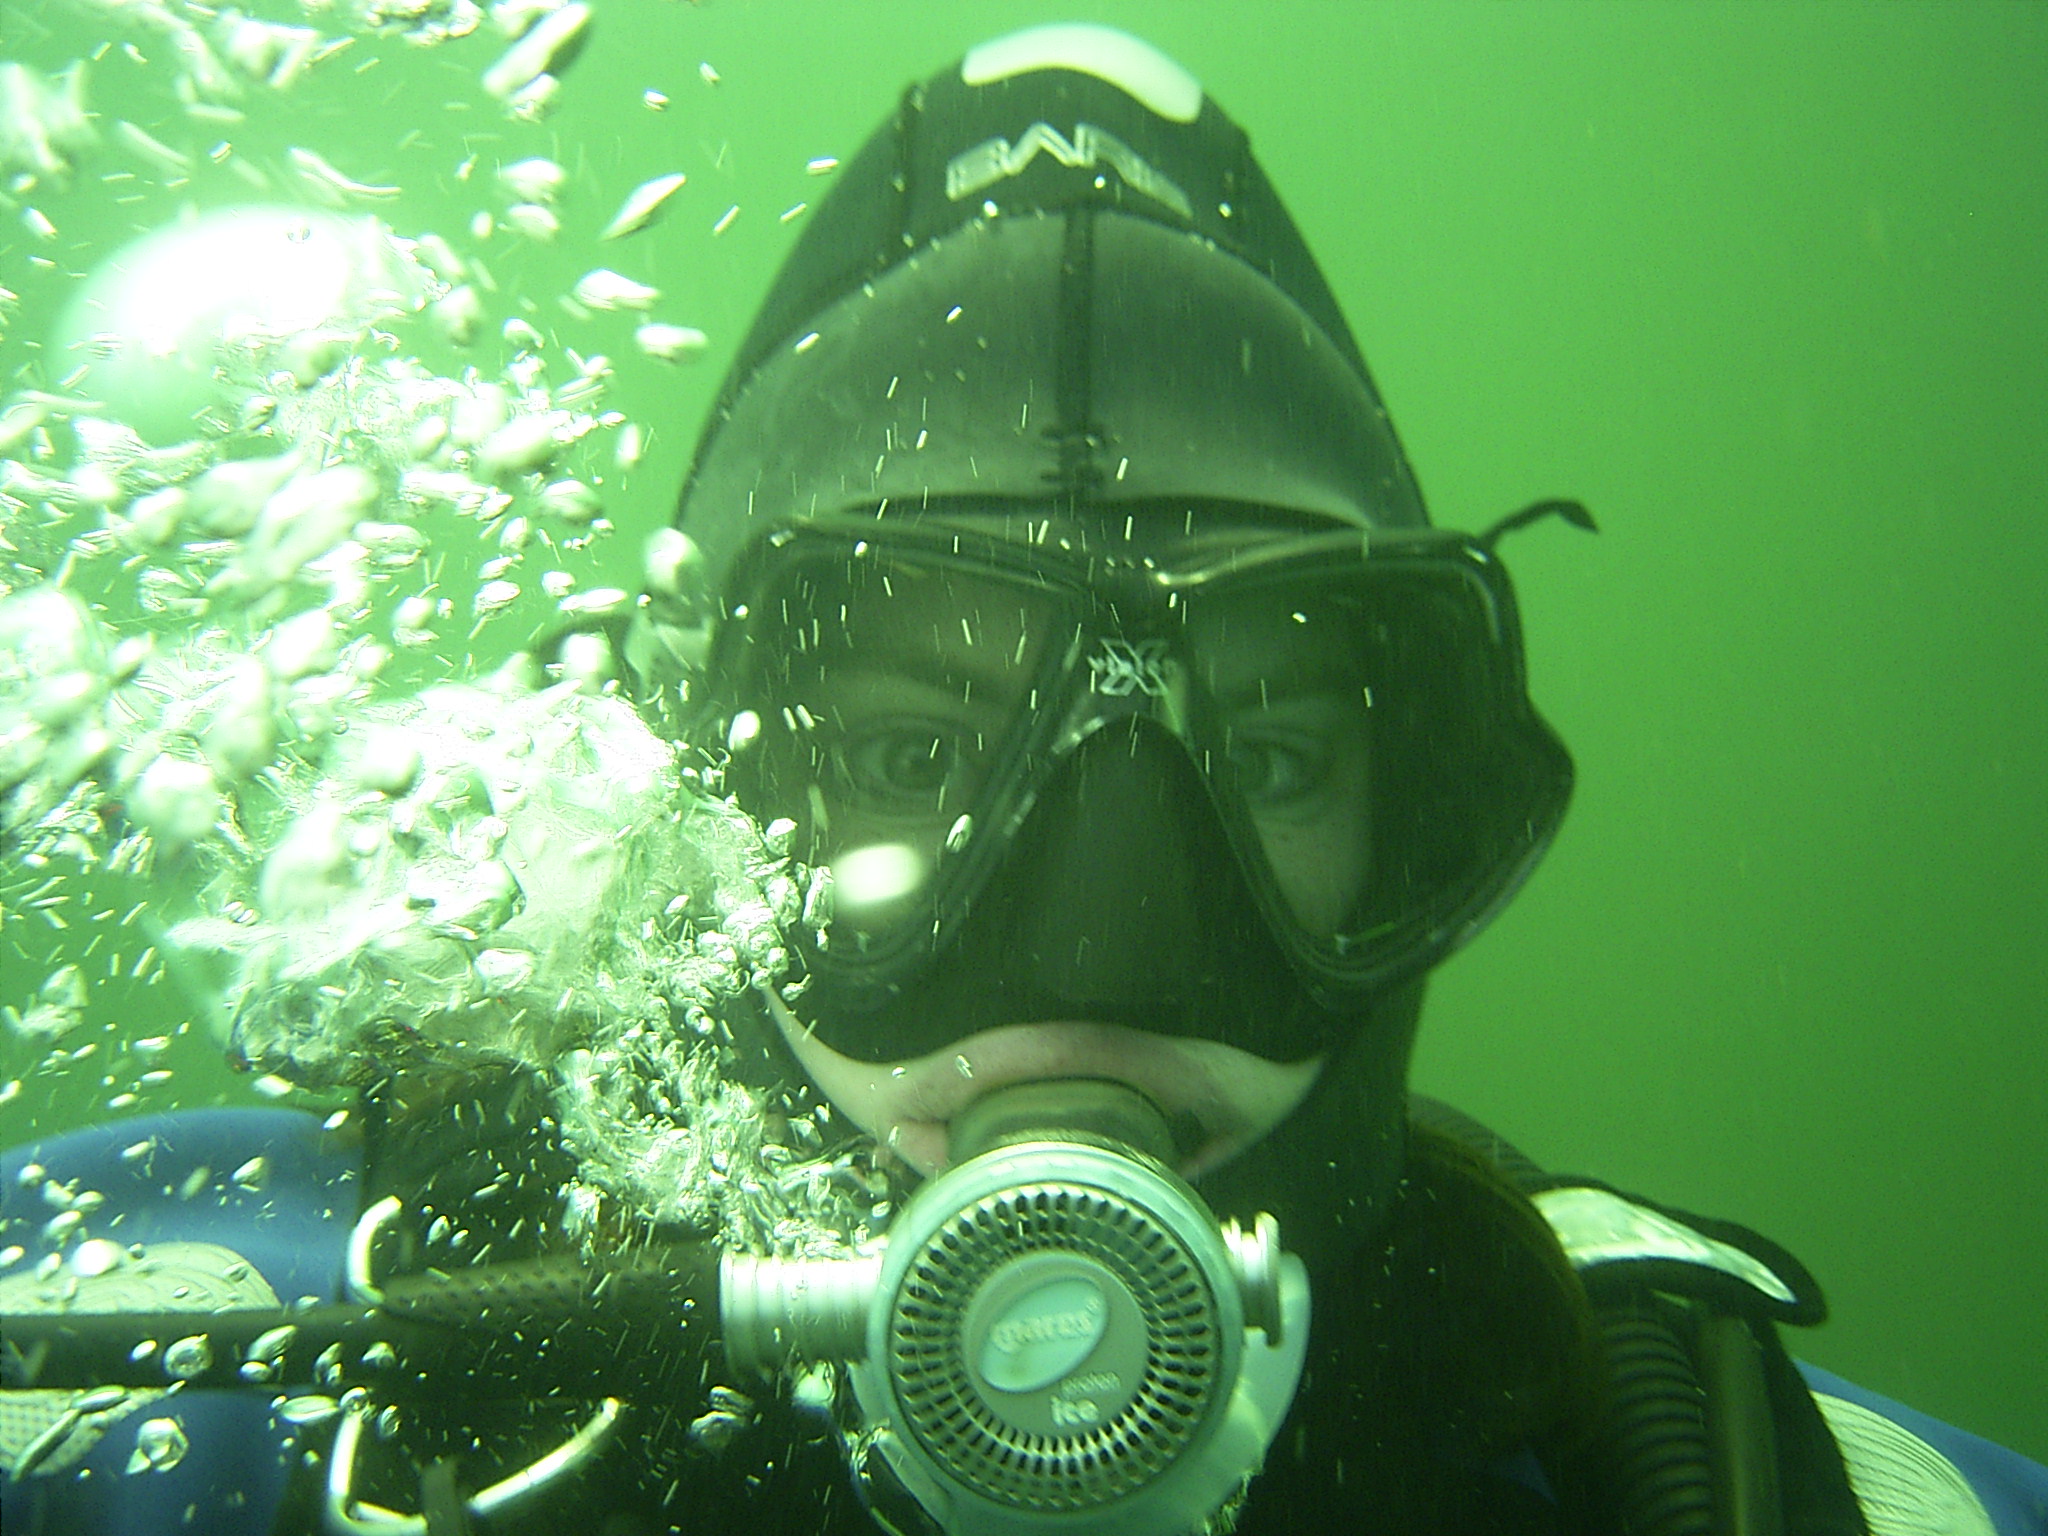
x: 1707, y: 1428
x: 1614, y: 1240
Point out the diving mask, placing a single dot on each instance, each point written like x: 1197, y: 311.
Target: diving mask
x: 904, y: 687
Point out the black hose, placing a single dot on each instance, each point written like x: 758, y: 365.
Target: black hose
x: 1657, y: 1438
x: 1690, y: 1450
x: 518, y: 1330
x: 1455, y: 1125
x: 1742, y: 1434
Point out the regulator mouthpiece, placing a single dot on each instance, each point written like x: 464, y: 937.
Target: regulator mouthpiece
x: 1057, y: 1335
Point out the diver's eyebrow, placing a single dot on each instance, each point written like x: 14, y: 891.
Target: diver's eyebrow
x: 1328, y: 678
x: 1285, y: 693
x: 935, y: 652
x: 977, y: 675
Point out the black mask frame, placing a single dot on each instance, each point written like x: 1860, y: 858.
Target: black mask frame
x: 1467, y: 783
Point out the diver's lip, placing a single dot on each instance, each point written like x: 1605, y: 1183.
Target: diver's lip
x: 1232, y: 1096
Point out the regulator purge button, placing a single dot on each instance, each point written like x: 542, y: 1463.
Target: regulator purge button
x: 1056, y: 1343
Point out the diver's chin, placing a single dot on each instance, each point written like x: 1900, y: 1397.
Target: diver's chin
x: 1218, y: 1099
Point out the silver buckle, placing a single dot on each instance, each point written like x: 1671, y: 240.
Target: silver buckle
x: 350, y: 1516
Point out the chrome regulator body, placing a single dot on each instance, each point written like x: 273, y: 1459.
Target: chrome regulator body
x: 1057, y: 1336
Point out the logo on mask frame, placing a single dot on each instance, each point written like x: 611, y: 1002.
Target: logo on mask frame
x: 993, y: 160
x: 1124, y: 667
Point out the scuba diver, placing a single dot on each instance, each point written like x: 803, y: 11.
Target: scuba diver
x: 1050, y: 574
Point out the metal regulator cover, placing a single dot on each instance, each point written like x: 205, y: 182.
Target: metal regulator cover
x: 1063, y: 1339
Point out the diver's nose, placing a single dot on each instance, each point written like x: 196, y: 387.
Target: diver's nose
x: 1123, y: 893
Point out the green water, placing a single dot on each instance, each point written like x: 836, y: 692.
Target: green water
x: 1767, y: 286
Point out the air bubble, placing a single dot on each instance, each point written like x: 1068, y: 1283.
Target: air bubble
x: 310, y: 1409
x: 160, y: 1444
x: 494, y: 597
x: 97, y: 1256
x: 189, y: 1357
x: 176, y: 799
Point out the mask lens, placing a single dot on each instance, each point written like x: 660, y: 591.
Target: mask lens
x: 1281, y: 719
x: 888, y: 689
x: 1357, y: 719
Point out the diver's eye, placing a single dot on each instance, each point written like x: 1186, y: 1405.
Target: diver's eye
x: 906, y: 763
x: 1278, y: 772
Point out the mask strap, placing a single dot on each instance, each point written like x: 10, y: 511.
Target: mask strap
x: 1573, y: 512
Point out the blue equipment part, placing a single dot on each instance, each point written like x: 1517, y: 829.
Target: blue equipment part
x: 1913, y: 1473
x: 173, y: 1178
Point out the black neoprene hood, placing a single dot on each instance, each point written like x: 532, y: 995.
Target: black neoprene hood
x: 1041, y: 287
